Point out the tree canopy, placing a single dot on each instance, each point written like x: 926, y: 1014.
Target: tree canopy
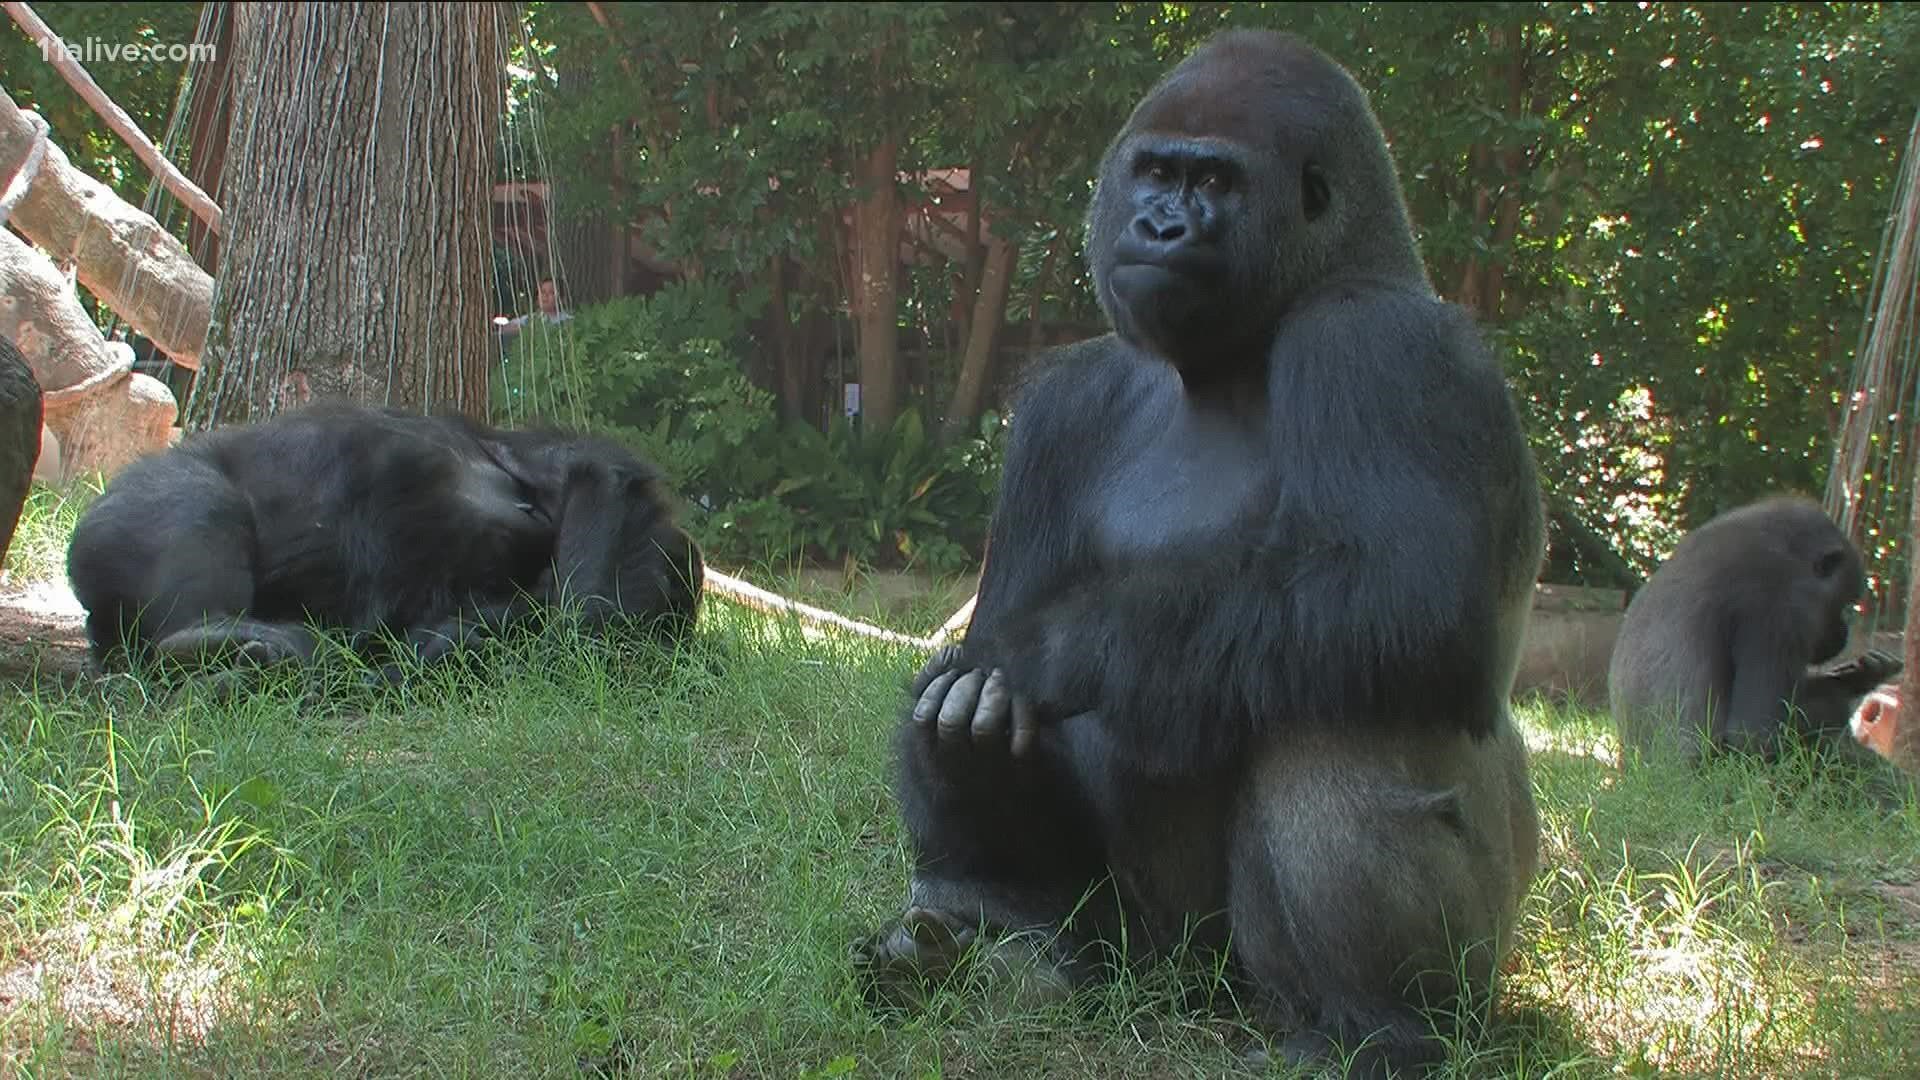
x: 1665, y: 215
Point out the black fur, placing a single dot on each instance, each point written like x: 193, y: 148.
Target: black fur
x: 21, y: 414
x: 1718, y: 649
x: 1254, y: 593
x: 377, y: 522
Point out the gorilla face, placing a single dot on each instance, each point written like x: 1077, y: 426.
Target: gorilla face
x: 1248, y: 177
x: 1841, y: 575
x: 1172, y: 274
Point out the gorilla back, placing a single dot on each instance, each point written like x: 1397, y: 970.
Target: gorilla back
x: 1254, y: 596
x: 361, y: 519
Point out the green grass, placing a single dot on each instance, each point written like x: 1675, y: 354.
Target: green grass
x: 38, y: 551
x: 579, y: 863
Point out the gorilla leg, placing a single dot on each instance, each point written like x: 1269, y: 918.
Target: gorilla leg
x: 1006, y: 841
x: 1371, y: 881
x: 239, y: 639
x: 168, y: 555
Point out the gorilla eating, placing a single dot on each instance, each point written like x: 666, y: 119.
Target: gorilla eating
x: 380, y: 523
x: 1238, y: 673
x: 1720, y: 648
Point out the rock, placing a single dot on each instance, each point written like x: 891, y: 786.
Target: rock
x: 48, y: 470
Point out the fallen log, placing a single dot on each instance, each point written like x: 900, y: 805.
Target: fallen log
x: 120, y: 253
x: 102, y: 413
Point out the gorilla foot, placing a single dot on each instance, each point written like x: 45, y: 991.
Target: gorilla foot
x: 902, y: 968
x: 1400, y: 1047
x: 242, y: 643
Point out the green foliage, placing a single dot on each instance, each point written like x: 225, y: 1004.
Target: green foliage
x: 659, y: 373
x: 889, y: 498
x: 662, y: 375
x: 1665, y: 215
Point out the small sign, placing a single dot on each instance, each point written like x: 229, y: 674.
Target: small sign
x: 852, y: 399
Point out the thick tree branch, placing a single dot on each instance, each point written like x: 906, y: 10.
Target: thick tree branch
x: 76, y: 76
x: 122, y: 255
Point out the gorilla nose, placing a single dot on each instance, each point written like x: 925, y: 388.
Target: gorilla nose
x: 1167, y: 232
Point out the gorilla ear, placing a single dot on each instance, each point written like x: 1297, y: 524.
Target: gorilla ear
x: 1315, y: 193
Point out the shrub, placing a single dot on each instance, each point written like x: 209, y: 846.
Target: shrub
x: 661, y: 374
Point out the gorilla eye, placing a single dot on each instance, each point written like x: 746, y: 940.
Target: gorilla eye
x: 1211, y: 181
x: 1159, y: 173
x: 1829, y: 563
x: 1315, y: 194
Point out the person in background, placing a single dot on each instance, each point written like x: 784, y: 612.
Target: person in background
x: 549, y: 310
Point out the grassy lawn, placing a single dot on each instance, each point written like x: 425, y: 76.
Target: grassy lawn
x: 578, y: 863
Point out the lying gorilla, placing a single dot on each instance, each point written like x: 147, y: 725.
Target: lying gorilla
x: 379, y: 523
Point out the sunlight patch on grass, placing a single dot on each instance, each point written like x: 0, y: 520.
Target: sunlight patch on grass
x: 1569, y: 731
x: 1675, y: 969
x: 117, y: 924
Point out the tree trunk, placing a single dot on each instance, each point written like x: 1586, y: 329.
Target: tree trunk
x: 210, y: 114
x: 780, y: 327
x: 876, y: 232
x: 989, y: 311
x: 357, y: 257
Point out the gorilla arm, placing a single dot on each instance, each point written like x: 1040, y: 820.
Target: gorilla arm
x: 958, y: 695
x: 1189, y: 662
x: 1762, y: 684
x: 1340, y: 611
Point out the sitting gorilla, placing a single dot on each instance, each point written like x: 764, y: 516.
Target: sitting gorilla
x: 376, y: 522
x: 1252, y: 605
x: 1719, y: 648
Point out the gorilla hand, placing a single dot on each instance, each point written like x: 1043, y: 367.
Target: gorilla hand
x: 1867, y: 671
x: 973, y: 707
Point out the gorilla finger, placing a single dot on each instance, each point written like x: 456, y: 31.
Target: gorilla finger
x: 943, y: 661
x: 928, y: 707
x: 990, y: 718
x: 956, y: 713
x: 1026, y: 726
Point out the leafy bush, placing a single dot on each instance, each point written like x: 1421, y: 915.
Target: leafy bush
x: 661, y: 374
x: 893, y: 498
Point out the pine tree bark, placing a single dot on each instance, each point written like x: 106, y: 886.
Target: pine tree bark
x: 356, y: 253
